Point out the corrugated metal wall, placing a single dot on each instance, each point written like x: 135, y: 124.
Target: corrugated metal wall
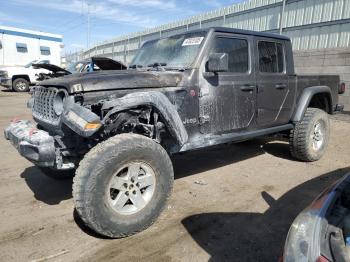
x: 311, y: 24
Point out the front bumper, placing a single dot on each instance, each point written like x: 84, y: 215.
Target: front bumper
x: 35, y: 145
x: 6, y: 82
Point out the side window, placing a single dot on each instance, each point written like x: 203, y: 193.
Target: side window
x: 238, y: 53
x: 45, y: 50
x: 21, y: 48
x: 271, y: 57
x: 0, y: 45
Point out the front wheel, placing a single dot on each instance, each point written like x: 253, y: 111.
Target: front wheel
x: 20, y: 85
x: 310, y: 137
x: 122, y: 185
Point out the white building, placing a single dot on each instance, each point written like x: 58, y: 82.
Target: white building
x: 21, y: 46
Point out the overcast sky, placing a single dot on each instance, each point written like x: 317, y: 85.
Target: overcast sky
x: 109, y: 18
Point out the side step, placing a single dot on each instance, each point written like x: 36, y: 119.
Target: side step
x: 211, y: 140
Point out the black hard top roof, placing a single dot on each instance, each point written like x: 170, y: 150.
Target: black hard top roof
x: 243, y: 32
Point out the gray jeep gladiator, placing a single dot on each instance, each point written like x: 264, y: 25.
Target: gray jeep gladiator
x: 115, y: 130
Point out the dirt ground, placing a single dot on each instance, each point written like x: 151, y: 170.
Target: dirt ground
x: 230, y: 203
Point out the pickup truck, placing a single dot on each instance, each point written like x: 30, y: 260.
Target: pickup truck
x: 114, y: 131
x: 19, y: 78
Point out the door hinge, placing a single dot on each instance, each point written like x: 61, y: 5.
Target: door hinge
x: 204, y: 119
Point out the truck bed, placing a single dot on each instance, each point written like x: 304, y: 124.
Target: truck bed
x: 332, y: 81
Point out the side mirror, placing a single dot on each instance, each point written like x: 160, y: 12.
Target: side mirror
x: 218, y: 62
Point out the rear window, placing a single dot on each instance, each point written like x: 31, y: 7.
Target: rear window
x: 271, y: 57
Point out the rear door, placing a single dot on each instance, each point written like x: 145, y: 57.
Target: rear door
x: 274, y: 97
x: 227, y: 101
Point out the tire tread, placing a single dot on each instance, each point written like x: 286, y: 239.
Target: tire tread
x: 80, y: 191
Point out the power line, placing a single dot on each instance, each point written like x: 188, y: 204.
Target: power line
x: 75, y: 26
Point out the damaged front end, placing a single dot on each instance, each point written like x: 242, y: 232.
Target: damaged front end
x: 35, y: 145
x: 63, y: 131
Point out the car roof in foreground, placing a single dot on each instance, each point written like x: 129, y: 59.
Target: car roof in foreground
x: 248, y: 32
x: 241, y: 32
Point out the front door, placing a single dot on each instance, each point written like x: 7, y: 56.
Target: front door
x: 274, y: 97
x: 227, y: 99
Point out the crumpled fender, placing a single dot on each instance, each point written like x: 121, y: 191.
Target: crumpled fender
x: 305, y: 99
x: 155, y: 99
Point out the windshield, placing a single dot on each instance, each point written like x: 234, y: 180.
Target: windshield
x: 76, y: 67
x: 176, y: 52
x: 30, y: 64
x: 37, y: 62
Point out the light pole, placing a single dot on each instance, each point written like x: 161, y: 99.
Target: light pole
x: 282, y: 16
x: 88, y: 26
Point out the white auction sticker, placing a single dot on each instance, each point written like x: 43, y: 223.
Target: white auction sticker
x: 193, y: 41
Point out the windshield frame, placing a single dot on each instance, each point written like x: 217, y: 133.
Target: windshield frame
x: 30, y: 63
x: 200, y: 33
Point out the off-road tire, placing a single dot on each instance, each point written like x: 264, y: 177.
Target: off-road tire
x: 300, y: 140
x: 17, y: 81
x: 57, y: 174
x: 90, y: 185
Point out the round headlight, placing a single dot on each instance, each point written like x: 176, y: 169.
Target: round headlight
x: 58, y: 102
x: 303, y: 240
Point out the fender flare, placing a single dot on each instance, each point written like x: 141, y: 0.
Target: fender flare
x: 305, y: 98
x: 155, y: 99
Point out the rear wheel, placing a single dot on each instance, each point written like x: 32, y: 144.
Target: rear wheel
x: 20, y: 85
x: 310, y: 137
x: 122, y: 185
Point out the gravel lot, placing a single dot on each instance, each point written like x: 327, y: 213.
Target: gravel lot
x: 230, y: 203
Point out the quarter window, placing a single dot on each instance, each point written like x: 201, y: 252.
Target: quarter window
x: 45, y: 50
x: 237, y: 50
x: 21, y: 48
x: 271, y: 57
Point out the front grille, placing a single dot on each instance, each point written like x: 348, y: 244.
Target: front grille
x: 3, y: 74
x: 43, y: 105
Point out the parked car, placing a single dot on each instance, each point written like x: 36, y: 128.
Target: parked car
x: 19, y: 78
x: 322, y: 231
x: 115, y: 130
x: 96, y: 64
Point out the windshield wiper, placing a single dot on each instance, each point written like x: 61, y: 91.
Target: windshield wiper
x: 181, y: 69
x: 157, y: 64
x: 135, y: 66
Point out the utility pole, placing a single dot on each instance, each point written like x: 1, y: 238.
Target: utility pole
x: 282, y: 16
x: 88, y: 26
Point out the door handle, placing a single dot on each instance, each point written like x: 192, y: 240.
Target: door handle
x: 247, y: 88
x: 281, y: 86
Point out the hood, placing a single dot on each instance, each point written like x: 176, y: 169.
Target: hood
x: 16, y: 69
x: 105, y: 63
x: 117, y: 79
x: 52, y: 68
